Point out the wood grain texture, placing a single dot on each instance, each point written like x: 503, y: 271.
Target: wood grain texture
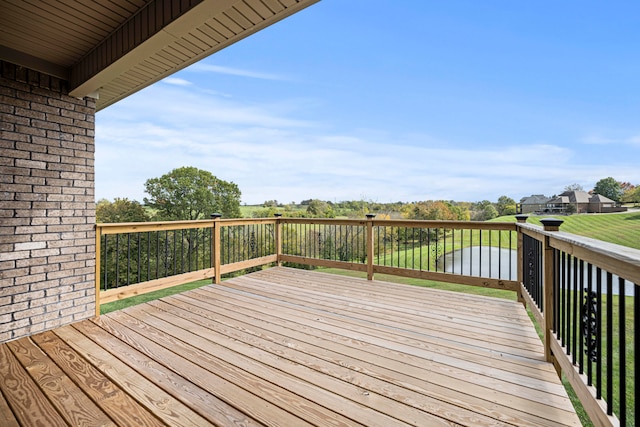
x: 286, y: 347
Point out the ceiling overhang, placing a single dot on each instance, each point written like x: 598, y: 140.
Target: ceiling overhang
x: 110, y: 49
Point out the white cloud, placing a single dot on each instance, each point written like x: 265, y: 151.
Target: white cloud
x: 596, y: 139
x: 176, y: 81
x: 235, y: 72
x: 273, y: 154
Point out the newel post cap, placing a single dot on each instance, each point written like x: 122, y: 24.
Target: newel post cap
x: 216, y: 215
x: 277, y: 214
x: 371, y: 215
x: 522, y: 218
x: 551, y: 224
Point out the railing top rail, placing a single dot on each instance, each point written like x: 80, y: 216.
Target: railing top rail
x: 134, y: 227
x: 137, y: 227
x: 617, y: 259
x: 504, y: 226
x: 245, y: 221
x: 326, y: 221
x: 477, y: 225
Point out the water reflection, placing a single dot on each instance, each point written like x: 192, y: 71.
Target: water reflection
x: 501, y: 263
x: 482, y: 261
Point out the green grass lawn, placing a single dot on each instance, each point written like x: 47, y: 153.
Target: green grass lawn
x: 124, y: 303
x: 621, y: 229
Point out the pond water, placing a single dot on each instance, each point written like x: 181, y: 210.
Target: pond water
x: 482, y: 261
x: 500, y: 263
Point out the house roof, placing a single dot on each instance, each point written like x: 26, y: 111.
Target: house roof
x: 559, y: 200
x: 598, y: 198
x: 110, y: 49
x: 577, y: 196
x: 535, y: 199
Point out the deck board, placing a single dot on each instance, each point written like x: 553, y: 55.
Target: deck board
x: 285, y: 347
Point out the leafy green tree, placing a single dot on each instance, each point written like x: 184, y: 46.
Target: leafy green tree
x: 435, y: 210
x: 506, y: 206
x: 608, y: 187
x: 484, y: 211
x: 120, y: 210
x: 189, y: 193
x: 117, y: 270
x: 320, y: 209
x: 631, y: 194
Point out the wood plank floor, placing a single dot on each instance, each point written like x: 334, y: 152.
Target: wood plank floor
x: 285, y: 347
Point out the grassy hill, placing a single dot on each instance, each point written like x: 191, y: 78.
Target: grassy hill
x: 622, y: 229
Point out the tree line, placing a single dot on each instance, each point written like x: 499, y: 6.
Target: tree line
x: 189, y: 193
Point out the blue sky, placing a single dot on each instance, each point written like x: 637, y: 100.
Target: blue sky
x: 396, y: 101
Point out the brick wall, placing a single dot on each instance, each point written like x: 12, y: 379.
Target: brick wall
x: 47, y: 207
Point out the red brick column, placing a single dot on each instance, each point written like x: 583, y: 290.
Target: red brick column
x: 47, y: 206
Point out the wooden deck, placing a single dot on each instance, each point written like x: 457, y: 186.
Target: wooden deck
x: 290, y: 348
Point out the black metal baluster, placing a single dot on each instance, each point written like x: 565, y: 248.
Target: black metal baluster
x: 581, y: 341
x: 510, y: 252
x: 175, y: 252
x: 556, y: 300
x: 128, y: 258
x: 444, y: 250
x: 562, y: 274
x: 471, y: 253
x: 598, y: 333
x: 229, y: 254
x: 429, y: 249
x: 166, y: 254
x: 500, y: 255
x: 636, y: 349
x: 589, y: 342
x: 105, y: 264
x: 117, y: 283
x: 609, y: 397
x: 399, y: 246
x: 490, y: 251
x: 480, y: 255
x: 139, y: 255
x: 413, y: 248
x: 148, y: 255
x: 462, y: 252
x: 622, y: 351
x: 576, y: 319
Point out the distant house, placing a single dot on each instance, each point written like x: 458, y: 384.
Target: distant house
x: 533, y: 203
x: 583, y: 203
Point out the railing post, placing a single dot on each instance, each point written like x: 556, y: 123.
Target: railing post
x: 216, y: 246
x: 278, y: 239
x: 521, y: 220
x: 548, y: 303
x: 98, y: 256
x: 370, y: 240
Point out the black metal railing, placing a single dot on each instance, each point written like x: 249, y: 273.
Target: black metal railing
x: 586, y: 298
x: 141, y: 256
x: 246, y: 241
x: 532, y: 269
x: 489, y: 253
x: 325, y: 240
x: 596, y: 321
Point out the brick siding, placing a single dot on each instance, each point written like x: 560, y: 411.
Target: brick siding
x: 47, y: 206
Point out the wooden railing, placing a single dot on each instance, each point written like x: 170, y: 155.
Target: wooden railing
x: 582, y: 292
x: 137, y: 258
